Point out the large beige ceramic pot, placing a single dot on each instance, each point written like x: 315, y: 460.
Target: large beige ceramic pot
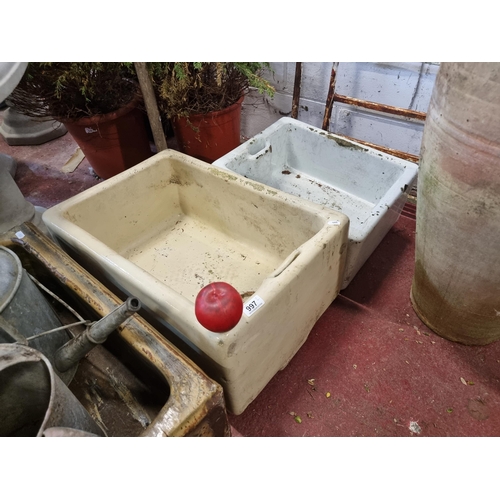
x: 456, y: 285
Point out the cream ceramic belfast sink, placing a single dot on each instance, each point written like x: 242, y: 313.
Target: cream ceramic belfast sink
x: 172, y: 224
x: 368, y: 186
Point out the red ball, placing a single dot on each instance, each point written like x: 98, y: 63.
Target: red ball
x: 218, y: 307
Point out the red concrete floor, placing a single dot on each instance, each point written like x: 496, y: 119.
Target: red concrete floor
x: 39, y: 174
x: 370, y: 367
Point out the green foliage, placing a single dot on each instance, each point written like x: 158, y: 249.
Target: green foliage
x: 185, y: 88
x: 252, y: 71
x: 74, y: 90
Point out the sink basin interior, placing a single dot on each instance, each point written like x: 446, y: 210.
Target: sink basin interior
x: 308, y: 162
x: 183, y: 230
x: 349, y: 169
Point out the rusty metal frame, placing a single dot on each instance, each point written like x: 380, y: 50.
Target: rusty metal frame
x: 296, y: 90
x: 333, y: 97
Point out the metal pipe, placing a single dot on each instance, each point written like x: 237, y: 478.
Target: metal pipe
x: 330, y: 97
x: 296, y: 90
x: 73, y: 351
x: 394, y: 152
x: 384, y: 108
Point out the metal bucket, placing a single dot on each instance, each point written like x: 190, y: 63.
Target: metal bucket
x: 33, y: 399
x: 456, y: 285
x: 24, y: 312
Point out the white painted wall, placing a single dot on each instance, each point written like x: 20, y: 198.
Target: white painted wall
x: 402, y: 84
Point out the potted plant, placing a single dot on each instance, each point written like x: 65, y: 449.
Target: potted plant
x: 99, y: 103
x: 203, y: 101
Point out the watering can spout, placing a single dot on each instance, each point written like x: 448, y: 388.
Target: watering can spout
x: 73, y: 351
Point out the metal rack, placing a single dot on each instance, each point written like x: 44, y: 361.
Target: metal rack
x: 333, y: 97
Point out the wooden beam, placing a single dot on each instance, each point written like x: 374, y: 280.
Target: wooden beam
x: 151, y: 105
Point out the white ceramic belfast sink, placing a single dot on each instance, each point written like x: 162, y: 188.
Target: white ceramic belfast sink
x: 172, y: 224
x: 366, y: 185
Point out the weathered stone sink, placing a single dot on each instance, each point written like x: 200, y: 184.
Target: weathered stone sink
x: 134, y: 384
x: 366, y: 185
x: 167, y: 227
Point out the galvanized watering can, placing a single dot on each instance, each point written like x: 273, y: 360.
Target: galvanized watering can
x: 33, y: 399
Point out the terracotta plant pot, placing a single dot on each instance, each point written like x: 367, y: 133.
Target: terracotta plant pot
x: 209, y: 136
x: 112, y: 142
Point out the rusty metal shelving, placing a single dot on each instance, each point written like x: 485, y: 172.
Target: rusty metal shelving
x: 333, y: 97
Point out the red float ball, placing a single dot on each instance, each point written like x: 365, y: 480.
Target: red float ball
x: 218, y: 307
